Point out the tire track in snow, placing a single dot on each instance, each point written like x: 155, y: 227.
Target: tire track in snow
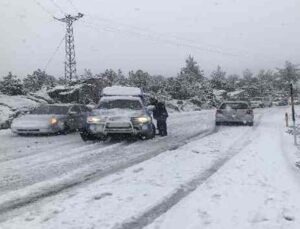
x: 37, y: 151
x: 39, y: 145
x: 59, y: 166
x: 20, y: 198
x: 156, y: 211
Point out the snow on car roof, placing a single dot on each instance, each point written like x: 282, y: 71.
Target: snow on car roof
x: 236, y: 102
x: 60, y: 104
x: 108, y: 98
x: 119, y: 90
x: 234, y: 93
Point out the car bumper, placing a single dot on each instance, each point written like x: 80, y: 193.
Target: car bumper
x: 244, y: 119
x: 119, y: 128
x: 35, y: 130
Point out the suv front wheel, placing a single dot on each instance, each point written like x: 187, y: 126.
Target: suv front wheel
x: 151, y: 134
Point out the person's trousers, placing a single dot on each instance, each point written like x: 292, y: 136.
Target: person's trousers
x: 162, y: 127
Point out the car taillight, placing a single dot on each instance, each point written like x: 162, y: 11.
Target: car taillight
x: 249, y: 112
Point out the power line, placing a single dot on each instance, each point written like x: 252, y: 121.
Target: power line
x: 43, y: 8
x: 152, y: 33
x: 54, y: 53
x: 73, y: 5
x: 58, y: 7
x: 173, y: 40
x: 159, y: 39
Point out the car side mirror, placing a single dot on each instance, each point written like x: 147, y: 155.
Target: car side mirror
x: 72, y: 113
x: 150, y: 108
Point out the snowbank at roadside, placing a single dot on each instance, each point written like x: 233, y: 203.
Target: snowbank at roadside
x: 292, y: 151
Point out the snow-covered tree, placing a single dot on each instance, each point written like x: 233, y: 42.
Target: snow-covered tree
x: 265, y: 83
x: 139, y: 79
x: 190, y: 80
x: 121, y: 79
x: 87, y: 74
x: 233, y: 82
x: 218, y: 80
x: 289, y: 74
x: 11, y: 85
x: 37, y: 80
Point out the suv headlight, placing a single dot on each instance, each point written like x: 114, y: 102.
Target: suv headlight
x: 143, y: 119
x: 93, y: 119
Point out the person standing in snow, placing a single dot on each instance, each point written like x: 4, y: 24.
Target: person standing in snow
x: 160, y: 114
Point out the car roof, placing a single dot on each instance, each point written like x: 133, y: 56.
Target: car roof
x: 245, y: 102
x: 111, y: 98
x: 62, y: 104
x: 121, y: 90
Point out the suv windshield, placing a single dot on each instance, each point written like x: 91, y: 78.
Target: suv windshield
x: 120, y: 104
x: 234, y: 106
x: 58, y: 110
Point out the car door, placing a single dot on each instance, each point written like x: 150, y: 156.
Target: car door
x: 74, y: 117
x: 83, y: 115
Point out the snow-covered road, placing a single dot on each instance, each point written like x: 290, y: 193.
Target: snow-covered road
x: 34, y: 167
x: 126, y: 184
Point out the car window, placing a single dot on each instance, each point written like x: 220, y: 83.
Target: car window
x: 59, y: 110
x: 120, y: 104
x: 84, y: 109
x: 75, y: 109
x: 234, y: 106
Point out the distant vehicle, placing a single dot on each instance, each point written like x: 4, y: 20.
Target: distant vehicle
x: 257, y: 103
x: 280, y: 102
x: 235, y: 112
x: 54, y: 118
x: 267, y: 101
x: 121, y: 111
x: 296, y: 102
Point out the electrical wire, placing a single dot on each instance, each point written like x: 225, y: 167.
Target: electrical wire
x: 58, y: 7
x: 158, y: 39
x: 73, y: 5
x: 54, y: 53
x: 179, y: 42
x: 152, y: 33
x: 43, y: 8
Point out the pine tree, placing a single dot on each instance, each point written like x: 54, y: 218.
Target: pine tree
x: 218, y: 80
x: 37, y: 80
x: 11, y: 85
x: 139, y: 79
x: 190, y: 80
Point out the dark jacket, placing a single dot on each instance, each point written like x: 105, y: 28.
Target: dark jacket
x: 160, y: 111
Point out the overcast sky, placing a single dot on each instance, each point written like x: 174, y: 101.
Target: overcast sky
x: 155, y: 36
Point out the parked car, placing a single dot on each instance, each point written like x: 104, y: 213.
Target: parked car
x: 280, y: 102
x: 267, y: 101
x: 296, y: 102
x: 257, y: 103
x: 121, y: 112
x: 54, y: 118
x: 235, y: 112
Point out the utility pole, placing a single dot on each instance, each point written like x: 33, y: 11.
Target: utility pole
x: 293, y: 113
x: 70, y: 60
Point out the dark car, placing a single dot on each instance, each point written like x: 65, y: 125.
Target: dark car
x: 52, y: 118
x: 235, y: 112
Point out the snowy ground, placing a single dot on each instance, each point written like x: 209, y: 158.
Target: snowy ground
x: 197, y: 177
